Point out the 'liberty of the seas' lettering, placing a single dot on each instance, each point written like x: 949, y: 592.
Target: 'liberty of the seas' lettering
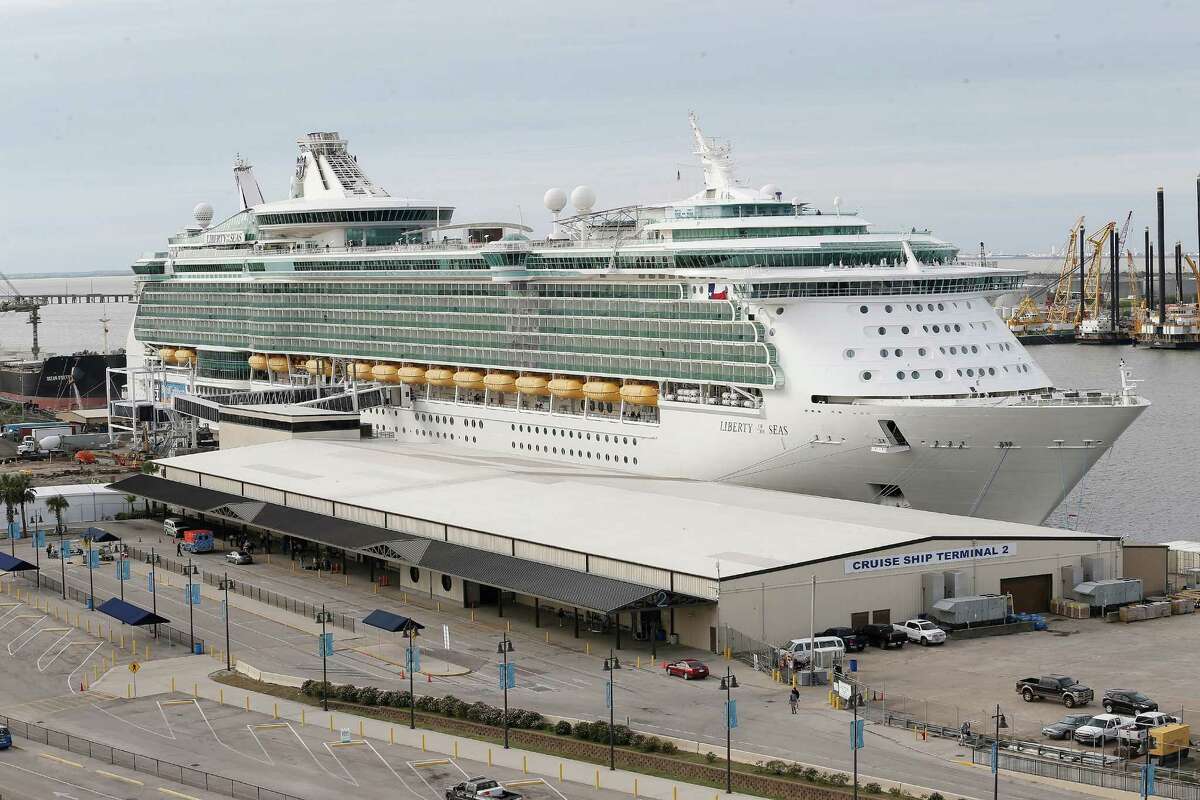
x: 750, y: 428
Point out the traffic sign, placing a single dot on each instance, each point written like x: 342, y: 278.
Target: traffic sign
x: 134, y: 667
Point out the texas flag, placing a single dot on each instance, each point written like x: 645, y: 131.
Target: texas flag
x: 718, y: 291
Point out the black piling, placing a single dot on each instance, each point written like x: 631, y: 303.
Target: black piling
x: 1149, y: 257
x: 1114, y: 280
x: 1162, y: 264
x: 1082, y: 244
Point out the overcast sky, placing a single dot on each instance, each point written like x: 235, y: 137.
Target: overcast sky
x: 999, y: 122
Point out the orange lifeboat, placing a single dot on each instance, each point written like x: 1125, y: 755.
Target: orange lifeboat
x: 385, y: 373
x: 278, y: 364
x: 534, y: 385
x: 439, y: 376
x: 413, y: 376
x: 257, y: 362
x: 602, y: 391
x: 639, y: 394
x: 469, y: 379
x: 566, y: 388
x: 500, y: 383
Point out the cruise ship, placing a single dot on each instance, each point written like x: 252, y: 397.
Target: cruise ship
x: 734, y: 335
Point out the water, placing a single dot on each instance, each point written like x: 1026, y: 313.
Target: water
x: 1141, y: 489
x: 72, y: 327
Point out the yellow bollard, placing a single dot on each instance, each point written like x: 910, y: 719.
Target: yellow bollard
x: 422, y: 743
x: 95, y: 672
x: 525, y: 764
x: 472, y: 615
x: 195, y: 690
x: 489, y: 756
x: 360, y: 729
x: 147, y: 651
x: 89, y: 627
x: 560, y: 772
x: 456, y: 748
x: 133, y: 642
x: 375, y: 588
x: 635, y: 787
x: 302, y: 716
x: 392, y: 736
x: 331, y: 722
x: 275, y: 710
x: 639, y: 662
x: 347, y: 577
x: 547, y: 637
x: 597, y: 779
x: 129, y: 690
x: 508, y: 626
x: 247, y: 702
x: 172, y: 683
x: 587, y: 648
x: 405, y: 596
x: 221, y: 696
x: 674, y: 793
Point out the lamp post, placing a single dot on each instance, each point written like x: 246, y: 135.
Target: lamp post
x: 225, y: 585
x: 191, y: 570
x: 504, y: 648
x: 611, y: 665
x: 324, y: 617
x: 121, y: 565
x: 62, y: 561
x: 91, y: 585
x: 728, y: 684
x: 1001, y: 722
x: 413, y: 661
x: 152, y: 560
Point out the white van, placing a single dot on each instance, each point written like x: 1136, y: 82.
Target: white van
x: 829, y: 650
x: 175, y: 526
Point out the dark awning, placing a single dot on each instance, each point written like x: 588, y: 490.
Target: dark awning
x: 394, y: 623
x: 12, y: 564
x: 561, y: 585
x: 100, y: 535
x: 129, y: 613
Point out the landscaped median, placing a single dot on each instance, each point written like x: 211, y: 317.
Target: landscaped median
x: 580, y: 741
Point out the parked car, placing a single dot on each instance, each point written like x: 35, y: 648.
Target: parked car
x: 1127, y: 701
x: 852, y: 641
x: 923, y: 632
x: 883, y: 636
x: 1065, y: 728
x: 5, y: 737
x: 239, y: 557
x: 1133, y: 736
x: 1061, y: 688
x: 1100, y: 729
x: 479, y: 789
x: 689, y: 669
x: 175, y: 526
x: 828, y: 651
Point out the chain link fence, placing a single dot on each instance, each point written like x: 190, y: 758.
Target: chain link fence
x: 148, y: 765
x: 276, y: 599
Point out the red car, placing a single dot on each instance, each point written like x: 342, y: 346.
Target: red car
x: 689, y: 669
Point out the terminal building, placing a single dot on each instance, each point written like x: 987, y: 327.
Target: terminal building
x: 641, y: 557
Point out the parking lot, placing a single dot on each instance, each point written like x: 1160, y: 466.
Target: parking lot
x: 964, y: 680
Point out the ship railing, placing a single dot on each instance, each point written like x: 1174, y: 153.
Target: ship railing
x: 1082, y: 399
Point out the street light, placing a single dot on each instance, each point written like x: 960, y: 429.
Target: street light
x: 1001, y: 722
x: 728, y: 684
x: 504, y: 648
x: 323, y: 617
x: 62, y: 560
x: 191, y: 569
x: 152, y: 560
x: 225, y: 585
x: 412, y: 660
x: 611, y: 665
x: 91, y: 586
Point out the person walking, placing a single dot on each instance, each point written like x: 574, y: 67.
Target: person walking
x: 794, y: 699
x: 178, y: 549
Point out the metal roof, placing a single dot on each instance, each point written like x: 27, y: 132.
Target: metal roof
x: 394, y: 623
x: 13, y: 564
x: 559, y: 584
x: 129, y: 613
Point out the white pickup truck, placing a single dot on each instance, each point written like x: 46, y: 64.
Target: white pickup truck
x: 922, y: 631
x: 1133, y: 736
x: 480, y: 788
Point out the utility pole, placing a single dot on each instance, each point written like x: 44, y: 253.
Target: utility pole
x: 611, y: 665
x: 413, y: 659
x: 728, y: 684
x: 225, y: 585
x: 152, y: 560
x: 323, y: 617
x: 504, y: 648
x: 998, y: 718
x: 191, y: 597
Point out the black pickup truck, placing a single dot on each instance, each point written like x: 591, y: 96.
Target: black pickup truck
x: 1057, y: 687
x: 883, y: 636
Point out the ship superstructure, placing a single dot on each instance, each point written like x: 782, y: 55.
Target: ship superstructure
x: 734, y: 335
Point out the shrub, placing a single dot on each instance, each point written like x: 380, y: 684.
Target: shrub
x: 600, y: 732
x: 368, y: 696
x: 451, y: 706
x: 669, y: 747
x: 810, y: 774
x: 873, y: 788
x: 562, y: 728
x: 894, y: 791
x: 936, y: 796
x: 347, y: 692
x: 652, y: 744
x: 837, y: 778
x: 307, y: 688
x: 530, y: 719
x: 583, y: 730
x: 775, y: 767
x: 710, y: 756
x: 622, y: 735
x: 427, y: 703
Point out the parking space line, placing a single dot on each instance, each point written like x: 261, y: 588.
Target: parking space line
x: 116, y: 777
x: 174, y: 793
x: 213, y: 731
x: 4, y: 764
x: 61, y: 760
x: 348, y: 779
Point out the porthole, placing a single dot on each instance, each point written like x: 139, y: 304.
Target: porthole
x: 887, y: 309
x: 862, y: 309
x: 959, y: 373
x: 589, y: 437
x: 904, y: 330
x: 606, y: 457
x: 606, y: 438
x: 883, y: 353
x: 514, y: 445
x: 957, y: 328
x: 900, y: 375
x: 447, y: 583
x: 974, y: 348
x: 473, y: 440
x: 414, y: 574
x: 908, y: 306
x: 635, y: 461
x: 512, y: 427
x: 481, y: 424
x: 953, y: 350
x: 624, y: 440
x: 898, y: 352
x: 942, y: 350
x: 779, y: 310
x: 920, y: 351
x: 937, y: 329
x: 633, y: 442
x: 925, y: 328
x: 589, y: 453
x: 771, y: 332
x: 866, y: 376
x: 937, y: 373
x: 626, y: 459
x: 882, y: 331
x: 970, y: 372
x: 919, y: 308
x: 915, y: 375
x: 991, y: 370
x: 941, y: 307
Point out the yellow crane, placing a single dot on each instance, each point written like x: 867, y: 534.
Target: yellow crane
x: 1093, y: 282
x: 1195, y: 274
x: 1061, y: 309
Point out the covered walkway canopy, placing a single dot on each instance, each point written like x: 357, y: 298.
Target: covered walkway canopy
x: 129, y: 613
x: 393, y: 623
x: 13, y: 564
x: 569, y: 587
x: 100, y: 535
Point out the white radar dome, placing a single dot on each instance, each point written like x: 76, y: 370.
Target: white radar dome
x: 203, y: 213
x: 555, y: 200
x: 583, y: 198
x: 771, y: 190
x: 796, y: 201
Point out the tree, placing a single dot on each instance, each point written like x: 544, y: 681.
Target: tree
x: 148, y: 468
x: 23, y: 494
x: 131, y: 499
x: 7, y: 494
x: 58, y: 504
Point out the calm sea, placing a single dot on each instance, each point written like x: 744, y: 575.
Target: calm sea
x: 1142, y: 488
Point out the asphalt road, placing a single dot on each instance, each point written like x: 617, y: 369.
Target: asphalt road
x: 554, y: 678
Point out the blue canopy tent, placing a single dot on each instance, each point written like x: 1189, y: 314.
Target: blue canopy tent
x: 130, y: 614
x: 393, y: 623
x: 100, y: 535
x: 13, y: 564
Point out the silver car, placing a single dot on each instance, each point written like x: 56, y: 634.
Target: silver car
x: 239, y: 557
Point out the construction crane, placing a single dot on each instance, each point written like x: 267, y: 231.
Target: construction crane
x: 1195, y: 274
x: 1061, y: 309
x: 18, y: 302
x: 1093, y: 283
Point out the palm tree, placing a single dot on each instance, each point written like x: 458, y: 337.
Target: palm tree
x: 148, y: 468
x: 7, y: 494
x: 131, y: 499
x: 58, y: 504
x: 22, y: 491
